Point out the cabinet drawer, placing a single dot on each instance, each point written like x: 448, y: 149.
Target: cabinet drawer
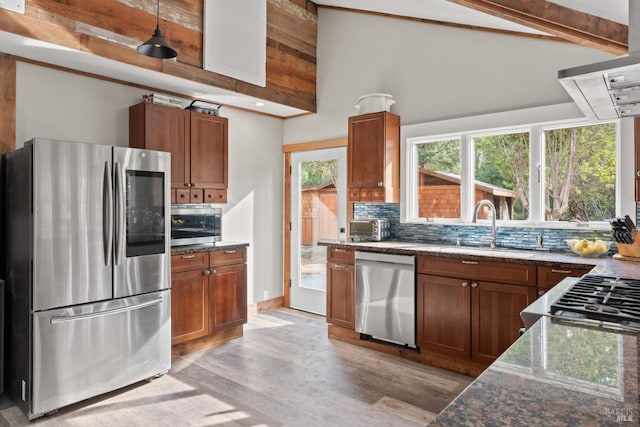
x: 188, y: 262
x: 182, y: 195
x: 196, y: 195
x: 215, y: 196
x: 341, y: 255
x: 228, y: 257
x: 490, y: 271
x: 548, y: 277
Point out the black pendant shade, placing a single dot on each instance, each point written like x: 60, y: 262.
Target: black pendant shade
x: 157, y: 46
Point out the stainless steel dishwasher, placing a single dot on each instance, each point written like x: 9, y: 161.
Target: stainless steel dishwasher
x: 385, y: 297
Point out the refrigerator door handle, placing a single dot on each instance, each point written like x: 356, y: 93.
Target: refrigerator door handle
x: 107, y: 213
x: 65, y: 319
x: 119, y: 215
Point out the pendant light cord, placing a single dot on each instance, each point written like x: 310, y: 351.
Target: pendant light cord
x: 158, y: 14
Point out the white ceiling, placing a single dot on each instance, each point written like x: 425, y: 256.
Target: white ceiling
x: 442, y: 10
x: 439, y: 10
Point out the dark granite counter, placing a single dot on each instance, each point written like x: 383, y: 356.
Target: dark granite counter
x: 208, y: 247
x: 555, y: 375
x: 605, y: 265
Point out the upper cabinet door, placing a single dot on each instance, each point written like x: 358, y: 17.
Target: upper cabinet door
x: 156, y: 127
x: 366, y: 150
x: 374, y: 155
x: 209, y: 151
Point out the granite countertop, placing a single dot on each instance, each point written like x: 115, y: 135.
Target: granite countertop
x: 206, y: 247
x: 555, y: 375
x: 605, y: 265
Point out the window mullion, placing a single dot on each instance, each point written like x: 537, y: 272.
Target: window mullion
x: 536, y: 175
x: 467, y: 174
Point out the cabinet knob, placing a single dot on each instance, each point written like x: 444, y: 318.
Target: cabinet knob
x: 465, y: 284
x: 380, y: 184
x: 186, y: 184
x: 474, y: 285
x: 541, y: 292
x: 638, y: 173
x: 206, y: 272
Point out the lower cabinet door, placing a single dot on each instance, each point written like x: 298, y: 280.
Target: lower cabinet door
x: 341, y: 295
x: 228, y: 297
x: 496, y: 318
x: 444, y: 315
x: 189, y: 306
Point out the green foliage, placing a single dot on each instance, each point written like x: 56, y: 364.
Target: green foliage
x: 441, y: 156
x: 581, y: 172
x: 318, y: 173
x: 503, y: 161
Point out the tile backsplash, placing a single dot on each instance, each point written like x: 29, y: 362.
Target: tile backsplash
x: 507, y: 237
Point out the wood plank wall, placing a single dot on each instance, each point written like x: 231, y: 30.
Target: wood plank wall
x: 113, y: 28
x: 7, y: 103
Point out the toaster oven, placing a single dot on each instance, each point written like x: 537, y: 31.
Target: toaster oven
x: 369, y: 229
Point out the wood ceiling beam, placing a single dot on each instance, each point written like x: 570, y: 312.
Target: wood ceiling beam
x: 569, y: 24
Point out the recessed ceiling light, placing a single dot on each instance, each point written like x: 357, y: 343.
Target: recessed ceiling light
x: 259, y: 104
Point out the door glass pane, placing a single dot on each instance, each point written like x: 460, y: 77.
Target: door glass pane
x: 145, y: 203
x: 318, y: 219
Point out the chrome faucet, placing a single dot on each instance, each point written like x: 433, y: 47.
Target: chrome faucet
x: 492, y: 208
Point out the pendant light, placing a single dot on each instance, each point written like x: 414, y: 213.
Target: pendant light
x: 157, y: 46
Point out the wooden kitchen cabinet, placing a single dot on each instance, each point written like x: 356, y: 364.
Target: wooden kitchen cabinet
x: 189, y: 297
x: 470, y: 309
x: 444, y: 316
x: 341, y: 288
x: 495, y: 317
x: 208, y: 293
x: 156, y: 127
x: 198, y: 144
x: 228, y: 289
x: 548, y: 277
x: 373, y: 158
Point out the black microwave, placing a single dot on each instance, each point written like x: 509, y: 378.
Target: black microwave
x: 195, y: 224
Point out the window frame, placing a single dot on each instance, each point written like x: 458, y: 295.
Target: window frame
x: 537, y: 163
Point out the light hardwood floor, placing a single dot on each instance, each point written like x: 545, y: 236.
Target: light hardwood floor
x: 284, y: 371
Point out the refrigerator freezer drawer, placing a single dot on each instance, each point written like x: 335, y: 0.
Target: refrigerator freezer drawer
x: 87, y: 350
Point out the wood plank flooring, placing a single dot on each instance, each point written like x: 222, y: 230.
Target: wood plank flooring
x: 283, y: 372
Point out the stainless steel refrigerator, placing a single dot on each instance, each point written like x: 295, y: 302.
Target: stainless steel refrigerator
x: 88, y: 271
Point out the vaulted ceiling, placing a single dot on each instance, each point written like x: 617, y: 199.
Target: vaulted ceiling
x: 601, y: 24
x: 101, y: 40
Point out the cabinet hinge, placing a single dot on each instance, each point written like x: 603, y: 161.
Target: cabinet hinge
x: 290, y: 170
x: 290, y: 227
x: 289, y: 283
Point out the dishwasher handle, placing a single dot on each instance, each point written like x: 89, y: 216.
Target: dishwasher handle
x: 384, y: 265
x: 385, y: 258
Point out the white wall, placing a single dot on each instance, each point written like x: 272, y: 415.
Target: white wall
x: 59, y: 105
x: 434, y: 72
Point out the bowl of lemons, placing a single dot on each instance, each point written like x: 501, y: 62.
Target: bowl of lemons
x: 589, y: 248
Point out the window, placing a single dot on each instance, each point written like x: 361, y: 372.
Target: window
x: 580, y: 173
x: 561, y: 175
x: 438, y: 179
x: 502, y: 174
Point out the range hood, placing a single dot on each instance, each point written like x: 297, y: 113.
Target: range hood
x: 610, y: 89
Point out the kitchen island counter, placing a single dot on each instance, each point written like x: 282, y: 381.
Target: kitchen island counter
x: 555, y: 375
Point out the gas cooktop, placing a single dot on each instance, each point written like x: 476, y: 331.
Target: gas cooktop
x: 610, y: 300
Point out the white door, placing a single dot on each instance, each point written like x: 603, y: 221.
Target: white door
x: 318, y: 212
